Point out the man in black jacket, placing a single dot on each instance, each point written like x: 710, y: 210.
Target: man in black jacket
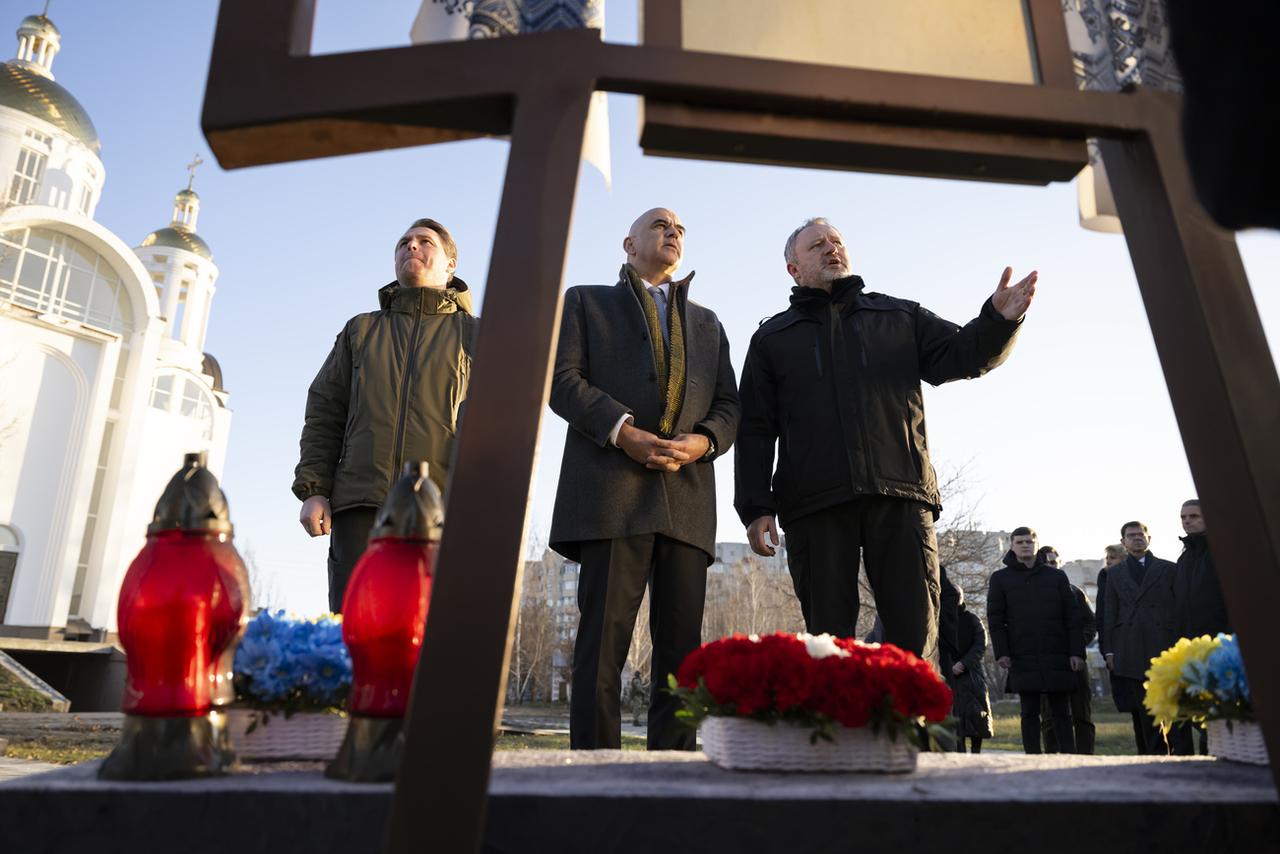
x: 1201, y: 608
x: 1037, y: 635
x: 643, y: 377
x: 834, y: 382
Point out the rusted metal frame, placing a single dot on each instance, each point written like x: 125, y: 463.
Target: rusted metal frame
x: 470, y: 85
x: 1054, y: 64
x: 458, y: 688
x: 1222, y: 383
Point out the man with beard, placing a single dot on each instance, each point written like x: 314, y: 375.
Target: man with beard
x: 643, y: 377
x: 834, y: 383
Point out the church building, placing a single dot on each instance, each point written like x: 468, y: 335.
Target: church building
x: 104, y: 382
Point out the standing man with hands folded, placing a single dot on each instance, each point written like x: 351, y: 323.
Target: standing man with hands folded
x: 643, y: 378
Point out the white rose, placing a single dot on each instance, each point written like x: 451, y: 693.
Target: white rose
x: 821, y: 646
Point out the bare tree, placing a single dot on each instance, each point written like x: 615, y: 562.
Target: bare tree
x: 263, y: 591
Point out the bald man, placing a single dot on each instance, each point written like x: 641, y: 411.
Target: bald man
x: 643, y: 377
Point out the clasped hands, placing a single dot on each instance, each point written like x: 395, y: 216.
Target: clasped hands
x: 654, y: 452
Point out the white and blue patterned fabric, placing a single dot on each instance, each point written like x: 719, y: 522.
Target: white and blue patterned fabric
x: 1115, y: 44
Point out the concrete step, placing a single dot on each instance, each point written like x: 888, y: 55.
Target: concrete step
x: 625, y: 801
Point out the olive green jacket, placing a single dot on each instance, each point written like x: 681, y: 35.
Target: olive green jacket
x: 391, y: 390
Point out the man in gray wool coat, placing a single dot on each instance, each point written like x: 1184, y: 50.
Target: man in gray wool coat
x: 643, y: 377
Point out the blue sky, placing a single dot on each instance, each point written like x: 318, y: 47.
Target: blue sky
x: 1074, y: 435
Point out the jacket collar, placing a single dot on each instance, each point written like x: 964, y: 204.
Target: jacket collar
x: 1011, y: 561
x: 843, y: 292
x: 627, y: 275
x: 456, y: 297
x: 1195, y: 542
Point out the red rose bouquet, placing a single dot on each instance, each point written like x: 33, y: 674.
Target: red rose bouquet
x: 817, y: 682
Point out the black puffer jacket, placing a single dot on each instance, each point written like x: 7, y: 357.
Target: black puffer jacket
x: 834, y: 381
x: 1034, y: 620
x: 1201, y: 608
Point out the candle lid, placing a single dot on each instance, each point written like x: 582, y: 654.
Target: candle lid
x: 192, y: 501
x: 414, y: 509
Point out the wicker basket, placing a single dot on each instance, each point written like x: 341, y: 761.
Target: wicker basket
x: 303, y: 735
x: 743, y: 744
x: 1239, y: 741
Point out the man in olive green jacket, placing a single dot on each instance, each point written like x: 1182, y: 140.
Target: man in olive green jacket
x: 391, y: 390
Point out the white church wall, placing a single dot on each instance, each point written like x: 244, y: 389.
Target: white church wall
x: 71, y: 177
x: 57, y: 388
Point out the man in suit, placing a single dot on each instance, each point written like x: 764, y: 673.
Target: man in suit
x: 1138, y: 625
x: 643, y: 377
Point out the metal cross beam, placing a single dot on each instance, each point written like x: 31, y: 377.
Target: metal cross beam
x: 269, y: 101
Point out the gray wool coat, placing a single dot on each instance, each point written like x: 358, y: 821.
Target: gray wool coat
x: 1140, y: 621
x: 605, y: 368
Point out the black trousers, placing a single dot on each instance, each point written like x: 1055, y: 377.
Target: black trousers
x: 895, y: 539
x: 1081, y: 702
x: 1128, y: 694
x: 610, y: 588
x: 1059, y: 710
x: 347, y: 542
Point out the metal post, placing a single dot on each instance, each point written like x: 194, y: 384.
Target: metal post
x: 1221, y: 379
x: 461, y: 678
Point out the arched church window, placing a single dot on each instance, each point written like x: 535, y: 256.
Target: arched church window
x: 8, y: 565
x: 196, y: 404
x: 53, y: 273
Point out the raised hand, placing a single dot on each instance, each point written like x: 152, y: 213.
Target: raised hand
x: 1012, y: 301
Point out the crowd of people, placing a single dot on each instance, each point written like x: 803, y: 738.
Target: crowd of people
x: 1040, y: 625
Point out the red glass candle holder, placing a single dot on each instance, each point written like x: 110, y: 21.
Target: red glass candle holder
x: 384, y: 613
x: 181, y: 610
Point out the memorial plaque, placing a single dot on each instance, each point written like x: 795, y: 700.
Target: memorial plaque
x: 982, y: 40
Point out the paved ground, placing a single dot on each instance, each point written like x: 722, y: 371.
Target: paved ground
x: 15, y: 769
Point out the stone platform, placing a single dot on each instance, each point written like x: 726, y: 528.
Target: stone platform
x: 614, y: 801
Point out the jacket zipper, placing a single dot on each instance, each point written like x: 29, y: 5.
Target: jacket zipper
x: 837, y: 332
x: 398, y: 447
x: 872, y: 470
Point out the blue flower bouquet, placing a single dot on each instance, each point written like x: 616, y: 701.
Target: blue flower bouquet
x: 289, y: 665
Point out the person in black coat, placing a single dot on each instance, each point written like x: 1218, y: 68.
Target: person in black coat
x: 1196, y: 592
x: 1114, y: 554
x: 834, y: 384
x: 1201, y: 607
x: 971, y: 704
x: 1037, y: 634
x: 1140, y: 622
x: 644, y: 379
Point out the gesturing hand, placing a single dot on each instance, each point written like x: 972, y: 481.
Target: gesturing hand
x: 1012, y: 301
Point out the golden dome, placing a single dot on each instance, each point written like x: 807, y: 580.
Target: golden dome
x: 178, y: 238
x: 40, y: 25
x: 41, y: 97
